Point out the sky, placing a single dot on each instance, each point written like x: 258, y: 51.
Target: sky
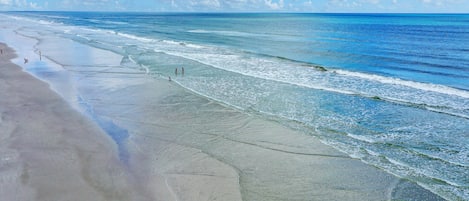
x: 315, y: 6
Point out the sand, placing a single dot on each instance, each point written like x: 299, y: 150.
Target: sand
x: 48, y: 150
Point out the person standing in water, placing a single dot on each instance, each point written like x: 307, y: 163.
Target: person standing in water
x: 182, y: 71
x: 176, y: 71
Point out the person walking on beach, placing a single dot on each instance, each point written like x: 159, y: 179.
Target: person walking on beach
x: 1, y: 51
x: 176, y: 71
x: 169, y: 77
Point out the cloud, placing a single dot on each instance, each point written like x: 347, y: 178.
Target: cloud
x: 93, y: 2
x: 241, y: 5
x: 443, y: 2
x: 89, y: 5
x: 205, y: 3
x: 344, y: 4
x: 308, y: 3
x: 5, y: 2
x: 34, y: 5
x: 273, y: 5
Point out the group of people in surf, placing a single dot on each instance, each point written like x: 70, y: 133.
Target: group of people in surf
x: 176, y: 72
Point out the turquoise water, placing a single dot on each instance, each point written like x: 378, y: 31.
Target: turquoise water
x: 390, y: 89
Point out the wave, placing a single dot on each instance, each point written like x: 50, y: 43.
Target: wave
x: 56, y: 17
x: 434, y: 97
x: 134, y: 37
x: 183, y: 44
x: 439, y: 155
x: 417, y: 85
x: 35, y: 21
x: 107, y: 22
x: 227, y: 33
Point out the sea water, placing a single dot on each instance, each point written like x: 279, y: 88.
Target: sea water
x: 389, y: 89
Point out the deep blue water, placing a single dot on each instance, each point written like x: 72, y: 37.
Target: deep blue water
x: 390, y: 89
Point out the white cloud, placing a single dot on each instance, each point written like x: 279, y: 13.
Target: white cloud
x: 345, y: 3
x: 34, y: 5
x: 274, y: 6
x: 206, y: 3
x: 243, y: 4
x: 5, y: 2
x: 443, y: 2
x: 93, y: 2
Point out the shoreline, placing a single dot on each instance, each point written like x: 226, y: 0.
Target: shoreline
x: 87, y: 160
x: 50, y: 151
x: 170, y: 163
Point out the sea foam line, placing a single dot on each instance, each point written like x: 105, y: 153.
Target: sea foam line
x: 416, y: 85
x: 381, y: 79
x: 377, y: 78
x: 262, y: 77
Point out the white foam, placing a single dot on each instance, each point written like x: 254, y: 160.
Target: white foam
x: 198, y: 31
x: 107, y: 22
x: 219, y: 65
x: 56, y: 17
x: 46, y: 22
x: 433, y: 96
x: 35, y: 21
x: 361, y: 138
x: 417, y: 85
x: 225, y: 33
x: 84, y: 37
x: 147, y: 70
x: 194, y: 46
x: 138, y: 38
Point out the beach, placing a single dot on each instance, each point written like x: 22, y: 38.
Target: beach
x: 50, y: 151
x: 128, y: 136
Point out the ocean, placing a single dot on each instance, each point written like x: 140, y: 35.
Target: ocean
x: 389, y: 89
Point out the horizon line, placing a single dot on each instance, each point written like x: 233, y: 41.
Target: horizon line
x: 231, y: 12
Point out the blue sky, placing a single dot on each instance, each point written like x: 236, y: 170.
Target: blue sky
x: 377, y: 6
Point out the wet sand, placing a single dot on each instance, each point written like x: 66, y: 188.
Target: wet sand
x: 50, y: 151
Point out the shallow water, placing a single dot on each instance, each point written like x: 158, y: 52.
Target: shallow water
x: 382, y: 100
